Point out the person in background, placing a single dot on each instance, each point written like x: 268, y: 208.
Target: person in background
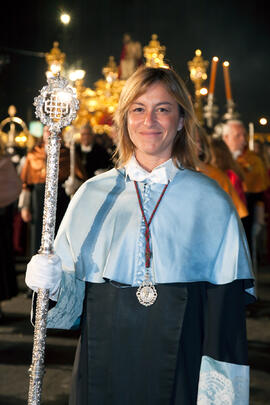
x: 152, y: 264
x: 90, y: 155
x: 235, y: 136
x: 262, y: 150
x: 222, y: 159
x: 91, y: 158
x: 205, y: 167
x: 9, y: 193
x: 33, y: 176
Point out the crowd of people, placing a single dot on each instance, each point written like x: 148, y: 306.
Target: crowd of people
x: 202, y: 234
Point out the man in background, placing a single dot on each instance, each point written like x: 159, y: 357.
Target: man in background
x: 90, y: 155
x: 235, y: 136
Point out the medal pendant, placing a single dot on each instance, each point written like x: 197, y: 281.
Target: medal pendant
x: 147, y: 293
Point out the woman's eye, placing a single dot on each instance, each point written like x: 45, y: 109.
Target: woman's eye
x: 137, y: 109
x: 162, y: 109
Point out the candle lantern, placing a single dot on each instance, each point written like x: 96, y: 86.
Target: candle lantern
x: 231, y: 112
x: 197, y: 67
x: 251, y: 136
x: 210, y: 109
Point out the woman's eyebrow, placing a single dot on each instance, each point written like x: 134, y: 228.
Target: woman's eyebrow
x: 161, y: 102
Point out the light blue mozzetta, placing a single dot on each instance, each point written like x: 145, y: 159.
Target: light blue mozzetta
x: 196, y: 235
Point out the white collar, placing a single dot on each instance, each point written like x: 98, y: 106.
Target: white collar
x: 236, y: 153
x: 86, y: 148
x: 161, y: 174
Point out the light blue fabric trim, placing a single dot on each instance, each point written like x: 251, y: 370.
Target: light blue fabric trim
x: 223, y: 383
x: 67, y: 312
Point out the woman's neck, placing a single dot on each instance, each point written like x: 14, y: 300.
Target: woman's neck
x: 149, y: 163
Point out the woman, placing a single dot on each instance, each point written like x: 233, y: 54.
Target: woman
x: 155, y: 266
x: 206, y: 156
x: 222, y: 158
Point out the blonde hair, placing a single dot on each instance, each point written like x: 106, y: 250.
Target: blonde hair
x: 183, y: 151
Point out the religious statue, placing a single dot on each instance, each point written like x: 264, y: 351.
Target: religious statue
x: 130, y: 58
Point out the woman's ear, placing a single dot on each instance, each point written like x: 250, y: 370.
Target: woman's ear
x: 181, y: 124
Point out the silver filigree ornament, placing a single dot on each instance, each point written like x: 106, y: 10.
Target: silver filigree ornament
x: 57, y: 104
x: 146, y: 293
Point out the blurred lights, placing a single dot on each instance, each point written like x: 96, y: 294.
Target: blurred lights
x: 65, y: 18
x: 49, y: 74
x: 76, y: 75
x: 226, y: 63
x: 55, y: 68
x: 203, y: 91
x: 263, y: 121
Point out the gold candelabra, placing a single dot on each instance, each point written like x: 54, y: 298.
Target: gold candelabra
x: 55, y: 60
x: 197, y: 68
x: 154, y: 53
x: 103, y: 100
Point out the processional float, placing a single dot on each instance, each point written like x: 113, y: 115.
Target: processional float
x: 56, y: 107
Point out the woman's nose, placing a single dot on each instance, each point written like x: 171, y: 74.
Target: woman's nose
x: 149, y: 118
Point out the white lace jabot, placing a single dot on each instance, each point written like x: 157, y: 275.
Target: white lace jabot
x: 161, y: 174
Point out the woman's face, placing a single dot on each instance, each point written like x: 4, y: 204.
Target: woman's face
x: 153, y: 121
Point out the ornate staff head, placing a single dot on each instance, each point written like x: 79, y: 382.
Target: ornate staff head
x: 57, y: 104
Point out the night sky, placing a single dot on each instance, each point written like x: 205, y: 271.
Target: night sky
x: 232, y: 30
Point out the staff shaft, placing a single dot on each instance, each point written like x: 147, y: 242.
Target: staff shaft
x: 37, y: 368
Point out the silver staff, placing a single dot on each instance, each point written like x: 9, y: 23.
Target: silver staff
x: 56, y: 107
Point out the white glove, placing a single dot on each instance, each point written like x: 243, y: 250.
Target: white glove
x: 71, y: 185
x: 44, y: 271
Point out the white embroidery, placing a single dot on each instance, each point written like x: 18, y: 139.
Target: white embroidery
x: 215, y: 389
x: 223, y: 383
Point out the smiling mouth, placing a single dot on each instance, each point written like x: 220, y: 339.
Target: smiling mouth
x: 155, y: 133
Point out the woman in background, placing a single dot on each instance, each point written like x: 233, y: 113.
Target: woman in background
x: 206, y: 167
x: 222, y: 159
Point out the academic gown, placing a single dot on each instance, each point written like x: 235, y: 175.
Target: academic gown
x: 188, y: 347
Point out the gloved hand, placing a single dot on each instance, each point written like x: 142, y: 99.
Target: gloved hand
x: 44, y: 271
x: 71, y: 185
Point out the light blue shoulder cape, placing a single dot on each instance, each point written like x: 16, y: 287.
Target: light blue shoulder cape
x: 196, y: 235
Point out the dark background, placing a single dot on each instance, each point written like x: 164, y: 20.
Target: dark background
x: 232, y: 30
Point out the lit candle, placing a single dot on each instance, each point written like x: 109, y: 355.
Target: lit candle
x: 251, y: 136
x: 213, y: 75
x: 227, y: 80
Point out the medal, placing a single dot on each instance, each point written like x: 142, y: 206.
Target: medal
x: 147, y: 293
